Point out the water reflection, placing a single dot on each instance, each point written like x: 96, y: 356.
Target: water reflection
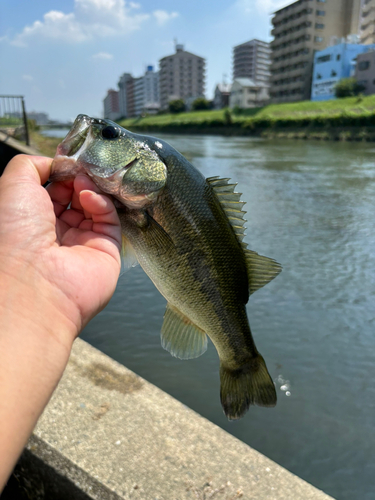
x: 311, y: 207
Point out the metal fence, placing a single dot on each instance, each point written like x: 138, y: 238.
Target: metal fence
x: 13, y: 118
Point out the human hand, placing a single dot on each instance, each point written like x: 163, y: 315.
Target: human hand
x: 58, y: 268
x: 70, y: 255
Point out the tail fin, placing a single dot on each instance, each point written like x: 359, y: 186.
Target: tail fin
x: 250, y: 384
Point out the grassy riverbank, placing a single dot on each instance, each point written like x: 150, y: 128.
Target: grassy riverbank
x: 46, y: 145
x: 351, y: 118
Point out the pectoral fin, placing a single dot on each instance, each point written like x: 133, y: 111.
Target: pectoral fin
x: 156, y: 235
x: 182, y: 338
x: 128, y: 257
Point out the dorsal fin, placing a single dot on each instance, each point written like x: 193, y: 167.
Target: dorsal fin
x: 260, y: 270
x: 230, y: 202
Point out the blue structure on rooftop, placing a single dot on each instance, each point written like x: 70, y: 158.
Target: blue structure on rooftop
x: 331, y: 65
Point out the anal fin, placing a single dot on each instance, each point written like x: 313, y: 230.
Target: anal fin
x: 179, y: 336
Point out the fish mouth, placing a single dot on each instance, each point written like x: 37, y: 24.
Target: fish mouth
x: 64, y: 165
x: 68, y: 162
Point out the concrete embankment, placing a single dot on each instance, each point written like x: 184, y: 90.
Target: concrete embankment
x: 10, y: 147
x: 327, y: 133
x: 109, y: 434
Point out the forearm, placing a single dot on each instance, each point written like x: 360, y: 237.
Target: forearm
x: 35, y: 343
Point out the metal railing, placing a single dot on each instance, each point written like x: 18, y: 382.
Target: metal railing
x: 13, y: 116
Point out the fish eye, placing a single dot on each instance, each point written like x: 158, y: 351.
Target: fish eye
x: 110, y: 132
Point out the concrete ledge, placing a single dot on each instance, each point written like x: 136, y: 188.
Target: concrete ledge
x: 109, y: 434
x: 10, y: 147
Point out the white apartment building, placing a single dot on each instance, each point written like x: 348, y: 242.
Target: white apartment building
x: 151, y: 89
x: 252, y: 60
x: 139, y: 95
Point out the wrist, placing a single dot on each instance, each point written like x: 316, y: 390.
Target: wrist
x: 35, y: 344
x: 31, y: 303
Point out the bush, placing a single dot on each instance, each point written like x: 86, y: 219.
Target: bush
x: 177, y: 106
x: 32, y: 125
x: 348, y: 87
x: 200, y: 103
x: 227, y: 117
x: 237, y: 110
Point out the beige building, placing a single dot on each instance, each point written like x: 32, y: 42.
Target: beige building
x: 367, y: 28
x: 246, y: 93
x: 365, y: 71
x: 299, y: 30
x: 181, y: 77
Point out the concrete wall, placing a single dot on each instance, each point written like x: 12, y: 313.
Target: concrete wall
x: 10, y: 147
x: 109, y: 434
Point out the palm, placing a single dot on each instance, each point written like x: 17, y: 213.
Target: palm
x: 75, y: 250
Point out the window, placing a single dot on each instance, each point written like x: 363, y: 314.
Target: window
x: 363, y: 65
x: 319, y: 26
x: 318, y: 39
x: 333, y: 73
x: 320, y: 12
x: 323, y: 59
x: 338, y: 57
x: 318, y: 76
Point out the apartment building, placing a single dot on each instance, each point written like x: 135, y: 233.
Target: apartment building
x: 126, y: 95
x: 111, y: 105
x: 182, y: 76
x: 300, y: 29
x: 252, y: 60
x: 151, y: 89
x: 139, y: 95
x: 367, y: 22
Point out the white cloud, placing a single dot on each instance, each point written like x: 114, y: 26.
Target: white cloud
x: 89, y: 19
x: 28, y: 78
x: 102, y: 55
x: 163, y: 17
x: 55, y: 25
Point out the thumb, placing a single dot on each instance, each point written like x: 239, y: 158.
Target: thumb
x: 29, y: 168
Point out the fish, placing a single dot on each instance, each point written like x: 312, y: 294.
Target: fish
x: 187, y: 233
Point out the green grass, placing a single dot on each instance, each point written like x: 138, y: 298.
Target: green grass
x: 10, y: 122
x: 350, y: 111
x: 46, y: 145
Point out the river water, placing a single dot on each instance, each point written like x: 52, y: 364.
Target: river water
x: 311, y: 206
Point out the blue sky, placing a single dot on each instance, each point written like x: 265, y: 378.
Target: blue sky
x: 63, y: 55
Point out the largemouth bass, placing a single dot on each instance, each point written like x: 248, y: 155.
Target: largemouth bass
x: 186, y: 232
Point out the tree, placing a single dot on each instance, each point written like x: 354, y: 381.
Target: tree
x: 348, y: 87
x: 200, y: 103
x: 176, y: 106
